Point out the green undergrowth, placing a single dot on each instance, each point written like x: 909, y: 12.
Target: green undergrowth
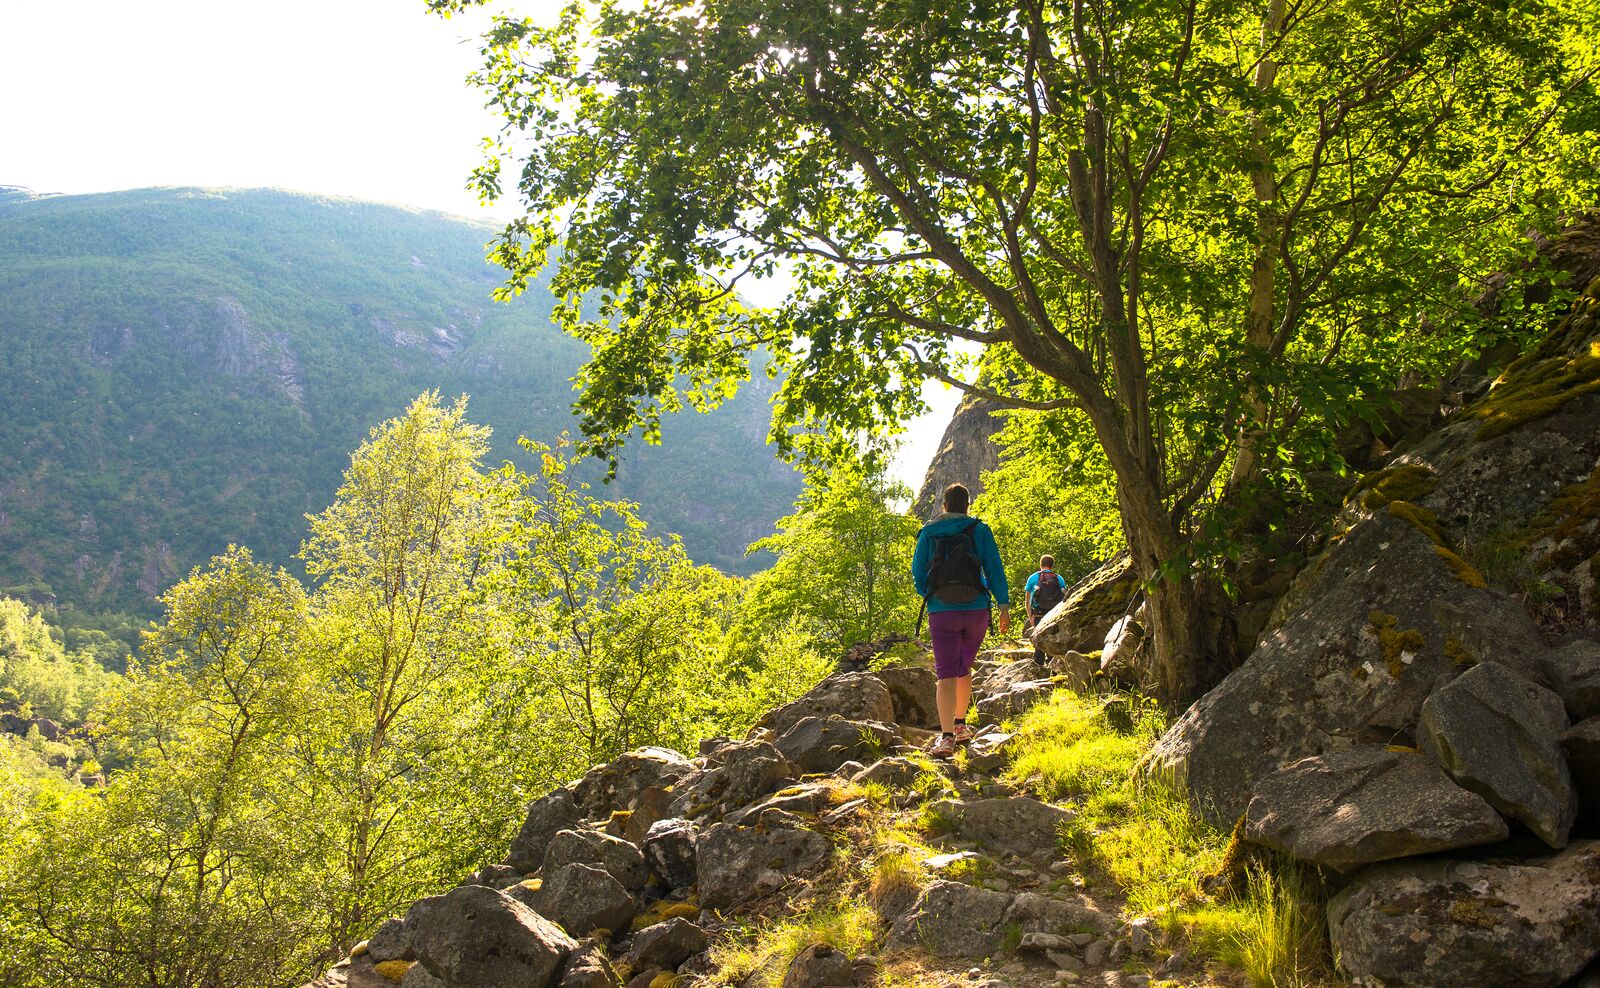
x: 1255, y: 912
x: 851, y: 927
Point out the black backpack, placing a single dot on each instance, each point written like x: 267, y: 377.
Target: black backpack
x: 1048, y: 593
x: 955, y: 575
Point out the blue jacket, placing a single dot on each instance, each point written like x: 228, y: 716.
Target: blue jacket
x: 1035, y: 580
x: 994, y: 573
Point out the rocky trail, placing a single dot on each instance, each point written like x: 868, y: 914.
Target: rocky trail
x: 658, y: 869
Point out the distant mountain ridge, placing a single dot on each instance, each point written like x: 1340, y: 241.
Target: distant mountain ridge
x: 187, y: 368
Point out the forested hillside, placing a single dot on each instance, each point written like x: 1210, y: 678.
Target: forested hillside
x: 190, y: 368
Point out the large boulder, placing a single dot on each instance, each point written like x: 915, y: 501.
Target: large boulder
x: 1500, y: 736
x: 1357, y: 652
x: 1016, y: 823
x: 1574, y: 671
x: 583, y: 899
x: 734, y: 863
x: 912, y: 693
x: 822, y: 744
x: 589, y: 966
x: 622, y: 860
x: 1351, y: 808
x: 851, y: 695
x: 547, y: 816
x: 665, y: 945
x: 616, y: 785
x: 669, y: 851
x: 1031, y: 912
x: 389, y: 943
x: 954, y: 920
x: 735, y: 774
x: 476, y: 937
x: 1454, y: 923
x: 820, y: 966
x: 1080, y: 623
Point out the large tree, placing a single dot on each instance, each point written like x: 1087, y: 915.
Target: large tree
x: 1201, y: 226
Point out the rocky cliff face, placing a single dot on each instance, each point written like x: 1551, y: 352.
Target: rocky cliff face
x: 1430, y: 684
x: 965, y: 452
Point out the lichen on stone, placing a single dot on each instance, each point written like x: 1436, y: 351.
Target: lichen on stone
x: 1394, y: 642
x: 1571, y: 524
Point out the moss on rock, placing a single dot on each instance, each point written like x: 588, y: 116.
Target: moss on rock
x: 1394, y: 642
x: 1565, y: 365
x: 1407, y: 482
x: 393, y: 970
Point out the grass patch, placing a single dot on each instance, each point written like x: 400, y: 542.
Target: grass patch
x: 850, y: 927
x: 1142, y: 834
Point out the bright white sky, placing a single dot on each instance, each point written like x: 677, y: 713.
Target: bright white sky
x: 361, y: 98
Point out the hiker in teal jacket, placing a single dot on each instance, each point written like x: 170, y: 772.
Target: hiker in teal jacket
x: 957, y: 630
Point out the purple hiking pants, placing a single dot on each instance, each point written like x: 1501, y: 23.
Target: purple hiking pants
x: 956, y: 636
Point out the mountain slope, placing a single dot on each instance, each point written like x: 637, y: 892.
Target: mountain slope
x: 188, y: 368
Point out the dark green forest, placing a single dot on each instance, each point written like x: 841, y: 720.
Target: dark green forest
x: 185, y: 369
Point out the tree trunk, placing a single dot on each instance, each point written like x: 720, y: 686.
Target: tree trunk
x: 1175, y: 621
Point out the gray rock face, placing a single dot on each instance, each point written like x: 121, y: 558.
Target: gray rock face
x: 818, y: 744
x: 820, y: 966
x: 895, y: 772
x: 616, y: 785
x: 1041, y: 914
x: 735, y: 775
x: 1574, y: 671
x: 547, y: 816
x: 1015, y: 700
x: 496, y: 876
x: 807, y: 797
x: 1582, y: 745
x: 851, y: 695
x: 669, y: 852
x: 1355, y: 657
x: 1456, y: 923
x: 589, y: 966
x: 1494, y: 629
x: 953, y: 920
x: 1499, y: 736
x: 1080, y: 623
x: 912, y: 694
x: 1017, y: 823
x: 389, y: 943
x: 666, y: 945
x: 622, y: 860
x: 582, y: 899
x: 734, y: 863
x: 1352, y: 808
x: 476, y: 937
x: 420, y: 977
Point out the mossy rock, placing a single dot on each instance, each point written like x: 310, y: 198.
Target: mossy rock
x: 664, y: 910
x: 1407, y: 482
x: 1565, y: 365
x: 393, y: 970
x: 1394, y: 642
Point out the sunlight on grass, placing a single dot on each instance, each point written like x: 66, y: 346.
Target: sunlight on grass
x: 1142, y: 835
x: 851, y: 928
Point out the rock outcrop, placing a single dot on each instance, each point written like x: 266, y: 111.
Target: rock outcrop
x: 965, y: 453
x: 1455, y: 923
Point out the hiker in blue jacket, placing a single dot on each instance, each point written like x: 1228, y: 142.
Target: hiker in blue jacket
x: 1044, y: 591
x: 957, y: 571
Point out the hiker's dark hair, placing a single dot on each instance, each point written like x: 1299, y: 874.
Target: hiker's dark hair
x: 1047, y: 561
x: 956, y: 498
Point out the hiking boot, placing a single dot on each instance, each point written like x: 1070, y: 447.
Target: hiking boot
x: 964, y: 733
x: 945, y: 747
